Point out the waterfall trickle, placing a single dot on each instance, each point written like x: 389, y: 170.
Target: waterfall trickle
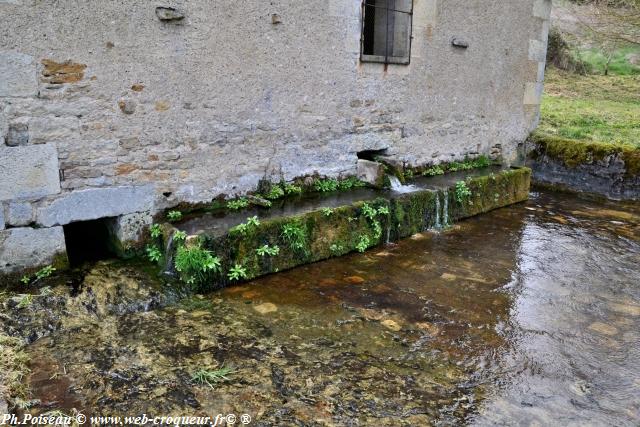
x: 169, y: 268
x: 445, y: 209
x: 437, y: 225
x: 397, y: 186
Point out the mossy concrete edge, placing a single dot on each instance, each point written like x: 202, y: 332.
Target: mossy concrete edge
x: 352, y: 228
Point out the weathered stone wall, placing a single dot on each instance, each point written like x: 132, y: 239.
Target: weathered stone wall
x: 106, y: 98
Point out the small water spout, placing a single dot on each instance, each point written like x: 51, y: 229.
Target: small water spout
x: 398, y: 187
x: 388, y: 238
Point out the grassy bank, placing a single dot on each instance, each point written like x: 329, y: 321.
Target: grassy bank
x: 592, y: 107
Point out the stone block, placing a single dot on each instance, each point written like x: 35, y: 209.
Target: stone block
x: 542, y: 9
x: 28, y: 172
x: 537, y: 50
x: 18, y: 73
x: 371, y: 172
x: 22, y: 248
x: 94, y: 203
x: 128, y: 228
x: 19, y: 214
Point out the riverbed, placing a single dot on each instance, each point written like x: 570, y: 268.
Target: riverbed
x: 528, y: 315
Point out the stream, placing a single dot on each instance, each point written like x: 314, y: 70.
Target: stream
x: 528, y: 315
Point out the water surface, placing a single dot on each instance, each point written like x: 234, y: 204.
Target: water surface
x: 529, y: 315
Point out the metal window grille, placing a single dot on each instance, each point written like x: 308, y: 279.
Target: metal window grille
x: 386, y: 31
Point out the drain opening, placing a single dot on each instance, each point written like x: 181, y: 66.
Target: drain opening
x: 372, y: 155
x: 89, y: 240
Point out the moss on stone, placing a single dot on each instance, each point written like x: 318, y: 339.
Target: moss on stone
x: 574, y: 153
x: 327, y: 236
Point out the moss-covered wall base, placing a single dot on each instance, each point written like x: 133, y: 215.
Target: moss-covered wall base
x: 590, y: 167
x: 327, y: 233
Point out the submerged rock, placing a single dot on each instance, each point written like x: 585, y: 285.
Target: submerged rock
x: 266, y: 308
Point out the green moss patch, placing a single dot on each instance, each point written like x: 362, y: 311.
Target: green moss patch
x: 575, y: 153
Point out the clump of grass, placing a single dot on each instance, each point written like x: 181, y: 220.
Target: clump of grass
x: 268, y: 250
x: 238, y: 204
x: 462, y: 191
x: 179, y: 236
x: 153, y: 253
x: 363, y: 243
x: 174, y: 216
x: 196, y: 265
x: 433, y: 171
x: 237, y: 272
x: 155, y: 231
x: 13, y: 369
x: 327, y: 211
x: 336, y: 249
x: 326, y: 185
x: 350, y: 182
x: 295, y: 235
x: 211, y: 377
x: 246, y: 227
x: 290, y: 189
x: 275, y: 192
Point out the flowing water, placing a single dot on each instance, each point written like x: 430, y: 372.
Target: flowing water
x: 529, y: 315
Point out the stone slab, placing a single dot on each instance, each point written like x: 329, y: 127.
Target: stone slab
x: 371, y: 172
x: 18, y: 73
x: 19, y: 214
x: 28, y: 172
x: 85, y: 205
x: 22, y: 248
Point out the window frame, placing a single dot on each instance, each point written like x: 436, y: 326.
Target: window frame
x: 386, y: 59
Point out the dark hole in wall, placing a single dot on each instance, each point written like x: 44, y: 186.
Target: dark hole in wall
x: 89, y: 240
x: 371, y: 154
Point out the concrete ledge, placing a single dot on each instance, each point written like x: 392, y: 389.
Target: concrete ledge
x: 85, y: 205
x: 350, y: 228
x: 590, y: 167
x: 27, y: 248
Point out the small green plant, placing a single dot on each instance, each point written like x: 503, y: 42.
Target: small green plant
x: 246, y: 227
x: 45, y: 272
x: 268, y: 250
x: 46, y: 291
x: 212, y: 376
x: 363, y: 243
x: 383, y: 210
x: 349, y: 183
x: 25, y: 279
x: 196, y: 265
x: 292, y: 189
x: 155, y: 231
x: 237, y: 272
x: 25, y: 301
x: 369, y: 211
x: 336, y: 248
x: 433, y: 171
x: 179, y: 236
x: 327, y: 211
x: 174, y: 216
x: 326, y: 185
x: 295, y: 235
x: 462, y: 191
x: 408, y: 173
x: 275, y: 192
x: 481, y: 162
x: 238, y: 204
x: 153, y: 253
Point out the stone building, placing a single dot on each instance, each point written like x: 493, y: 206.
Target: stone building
x: 117, y: 109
